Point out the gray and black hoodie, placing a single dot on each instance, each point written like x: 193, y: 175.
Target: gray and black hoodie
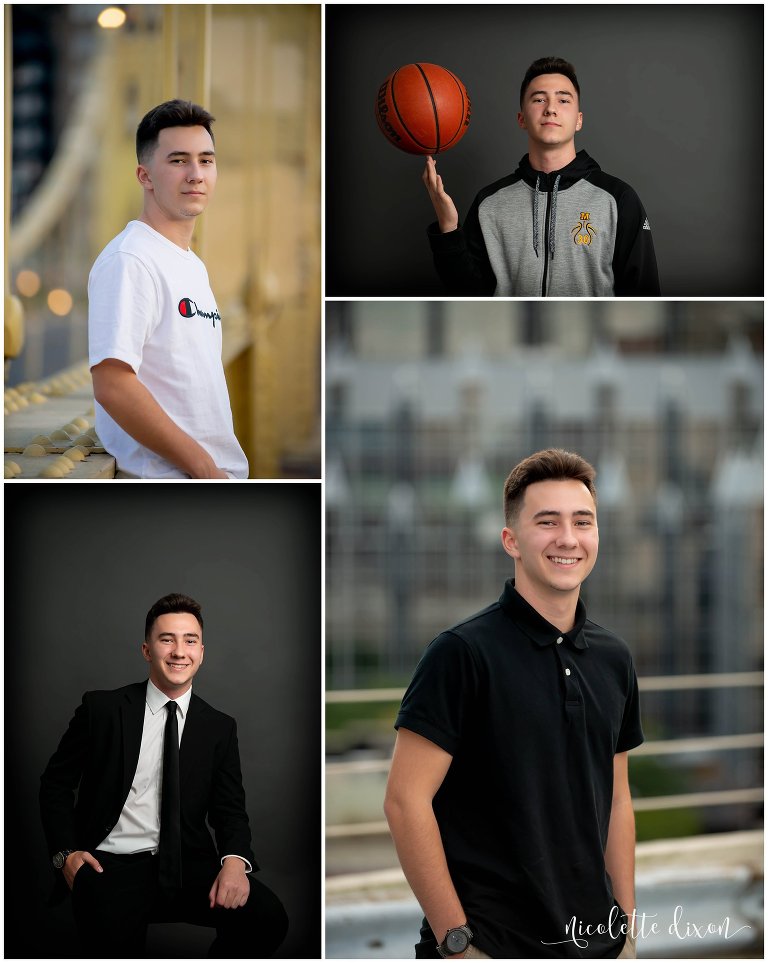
x: 576, y: 232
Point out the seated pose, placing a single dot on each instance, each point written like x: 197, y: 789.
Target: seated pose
x: 154, y: 330
x: 125, y: 799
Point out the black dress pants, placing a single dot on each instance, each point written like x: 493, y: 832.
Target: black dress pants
x: 112, y: 910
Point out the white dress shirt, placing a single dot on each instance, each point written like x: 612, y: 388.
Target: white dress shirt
x: 138, y: 828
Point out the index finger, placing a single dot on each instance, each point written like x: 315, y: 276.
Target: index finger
x: 430, y: 173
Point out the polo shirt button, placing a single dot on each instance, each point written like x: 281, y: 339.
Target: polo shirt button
x: 567, y: 671
x: 560, y: 640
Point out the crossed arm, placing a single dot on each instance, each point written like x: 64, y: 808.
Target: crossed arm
x: 132, y: 406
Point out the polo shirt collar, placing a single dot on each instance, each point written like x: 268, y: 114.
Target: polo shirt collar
x: 536, y: 626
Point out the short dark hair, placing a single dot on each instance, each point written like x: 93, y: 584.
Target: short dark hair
x: 549, y: 65
x: 172, y: 113
x: 551, y: 464
x: 172, y: 603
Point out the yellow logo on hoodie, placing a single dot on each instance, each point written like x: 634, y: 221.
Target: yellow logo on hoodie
x: 583, y: 232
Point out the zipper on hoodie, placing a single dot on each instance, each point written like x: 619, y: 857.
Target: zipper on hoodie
x: 546, y: 244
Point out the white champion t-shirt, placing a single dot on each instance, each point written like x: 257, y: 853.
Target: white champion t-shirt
x: 150, y: 305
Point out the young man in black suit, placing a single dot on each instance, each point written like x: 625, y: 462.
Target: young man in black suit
x: 150, y: 763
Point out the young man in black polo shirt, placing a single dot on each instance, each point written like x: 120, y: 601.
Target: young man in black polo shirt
x: 508, y: 797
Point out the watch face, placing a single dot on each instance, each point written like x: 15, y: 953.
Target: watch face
x: 456, y: 941
x: 58, y: 860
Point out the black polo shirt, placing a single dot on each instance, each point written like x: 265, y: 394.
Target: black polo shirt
x: 533, y: 718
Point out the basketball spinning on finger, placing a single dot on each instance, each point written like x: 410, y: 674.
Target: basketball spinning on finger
x: 423, y: 109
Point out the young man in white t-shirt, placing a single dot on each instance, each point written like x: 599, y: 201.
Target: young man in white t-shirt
x: 162, y: 406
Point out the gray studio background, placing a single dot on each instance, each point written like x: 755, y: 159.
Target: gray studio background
x: 83, y: 565
x: 672, y: 98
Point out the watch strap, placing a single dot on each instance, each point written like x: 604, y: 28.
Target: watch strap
x: 61, y: 856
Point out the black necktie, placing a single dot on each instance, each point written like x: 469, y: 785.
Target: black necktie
x: 169, y: 852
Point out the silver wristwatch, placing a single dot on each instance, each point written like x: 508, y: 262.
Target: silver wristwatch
x: 456, y: 941
x: 60, y: 858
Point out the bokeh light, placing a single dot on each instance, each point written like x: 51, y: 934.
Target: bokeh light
x: 111, y: 18
x: 28, y: 283
x: 60, y: 302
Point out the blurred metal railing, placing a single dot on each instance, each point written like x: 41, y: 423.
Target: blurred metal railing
x: 651, y: 683
x: 652, y: 748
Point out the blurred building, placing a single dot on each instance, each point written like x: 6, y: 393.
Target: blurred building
x: 429, y: 405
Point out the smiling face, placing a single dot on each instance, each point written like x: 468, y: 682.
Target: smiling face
x: 549, y: 111
x: 174, y: 652
x: 553, y: 540
x: 179, y: 176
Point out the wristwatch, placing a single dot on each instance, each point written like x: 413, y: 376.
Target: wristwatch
x: 60, y: 858
x: 456, y: 940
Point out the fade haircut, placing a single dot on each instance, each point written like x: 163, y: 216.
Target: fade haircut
x: 172, y: 113
x: 551, y: 464
x: 169, y: 604
x: 549, y: 65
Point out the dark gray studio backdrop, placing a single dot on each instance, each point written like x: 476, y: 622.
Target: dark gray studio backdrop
x: 672, y: 98
x: 83, y: 564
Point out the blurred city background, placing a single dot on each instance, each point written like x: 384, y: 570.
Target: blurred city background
x: 78, y: 79
x: 428, y: 407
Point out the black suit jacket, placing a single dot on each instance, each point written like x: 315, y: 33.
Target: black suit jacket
x: 86, y: 782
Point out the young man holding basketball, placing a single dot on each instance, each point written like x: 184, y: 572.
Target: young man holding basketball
x: 508, y: 796
x: 558, y: 226
x: 162, y: 405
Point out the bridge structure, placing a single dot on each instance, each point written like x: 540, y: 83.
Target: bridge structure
x: 257, y: 69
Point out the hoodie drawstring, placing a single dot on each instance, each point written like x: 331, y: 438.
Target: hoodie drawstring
x: 552, y: 217
x: 553, y: 220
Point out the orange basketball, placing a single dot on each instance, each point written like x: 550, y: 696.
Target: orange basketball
x: 423, y: 109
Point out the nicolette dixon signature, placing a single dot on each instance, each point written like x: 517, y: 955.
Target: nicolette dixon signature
x: 645, y: 925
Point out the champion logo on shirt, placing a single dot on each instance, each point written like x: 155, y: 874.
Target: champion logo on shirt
x: 188, y: 309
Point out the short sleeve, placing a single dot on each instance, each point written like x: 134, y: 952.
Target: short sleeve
x: 441, y: 693
x: 122, y: 309
x: 631, y: 733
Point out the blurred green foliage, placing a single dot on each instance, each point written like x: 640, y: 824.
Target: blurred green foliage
x: 649, y: 777
x: 354, y: 725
